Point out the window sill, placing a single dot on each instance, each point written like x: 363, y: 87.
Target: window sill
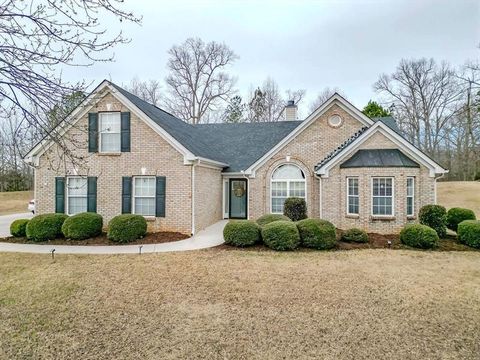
x: 150, y: 218
x: 352, y: 216
x: 109, y: 154
x: 382, y: 218
x: 411, y: 217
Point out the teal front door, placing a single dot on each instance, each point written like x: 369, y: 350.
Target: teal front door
x: 238, y: 198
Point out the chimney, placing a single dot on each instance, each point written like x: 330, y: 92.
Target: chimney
x: 290, y: 111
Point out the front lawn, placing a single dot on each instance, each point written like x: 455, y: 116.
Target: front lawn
x: 218, y: 304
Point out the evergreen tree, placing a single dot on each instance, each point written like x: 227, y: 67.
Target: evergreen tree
x: 374, y: 109
x: 234, y: 111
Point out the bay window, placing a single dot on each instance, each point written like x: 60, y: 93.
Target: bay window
x: 353, y: 203
x: 382, y: 196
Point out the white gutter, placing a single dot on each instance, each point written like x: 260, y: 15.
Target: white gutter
x: 193, y: 197
x: 320, y: 212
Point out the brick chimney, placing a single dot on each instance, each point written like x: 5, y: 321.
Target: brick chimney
x: 290, y: 112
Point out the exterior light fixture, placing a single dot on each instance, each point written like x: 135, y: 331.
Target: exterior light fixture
x: 143, y: 170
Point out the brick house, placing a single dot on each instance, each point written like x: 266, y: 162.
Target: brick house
x: 128, y: 156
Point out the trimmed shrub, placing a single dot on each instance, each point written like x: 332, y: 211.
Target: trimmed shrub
x: 267, y: 219
x: 419, y: 236
x: 434, y: 216
x: 82, y: 226
x: 18, y: 228
x: 45, y: 227
x: 355, y: 235
x: 469, y: 233
x: 295, y: 208
x: 316, y: 233
x: 126, y: 228
x: 281, y: 235
x: 456, y: 215
x: 241, y: 233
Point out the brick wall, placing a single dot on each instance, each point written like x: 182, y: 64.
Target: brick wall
x: 312, y: 145
x: 208, y: 196
x: 148, y: 150
x: 306, y: 150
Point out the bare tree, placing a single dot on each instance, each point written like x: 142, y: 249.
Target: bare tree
x: 37, y: 38
x: 198, y: 83
x: 425, y: 97
x: 150, y: 90
x: 323, y: 96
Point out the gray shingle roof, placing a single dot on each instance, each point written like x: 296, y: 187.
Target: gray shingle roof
x: 379, y: 158
x: 390, y: 122
x: 342, y: 146
x: 238, y: 145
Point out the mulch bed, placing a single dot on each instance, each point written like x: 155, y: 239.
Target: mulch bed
x: 150, y: 238
x: 375, y: 241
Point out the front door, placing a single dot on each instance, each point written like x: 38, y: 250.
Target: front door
x: 238, y: 198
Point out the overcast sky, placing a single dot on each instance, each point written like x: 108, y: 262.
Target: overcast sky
x: 301, y: 44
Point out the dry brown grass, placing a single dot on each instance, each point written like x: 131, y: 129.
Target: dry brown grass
x: 217, y: 304
x: 460, y: 194
x: 14, y: 202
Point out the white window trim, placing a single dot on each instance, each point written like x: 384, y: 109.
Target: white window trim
x: 393, y: 197
x: 67, y: 196
x: 143, y: 197
x: 411, y: 196
x: 357, y: 196
x: 288, y: 186
x: 100, y: 133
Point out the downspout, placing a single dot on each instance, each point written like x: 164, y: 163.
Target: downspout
x: 193, y: 196
x: 319, y: 194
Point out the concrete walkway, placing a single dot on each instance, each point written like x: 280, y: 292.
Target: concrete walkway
x: 211, y: 236
x: 6, y: 220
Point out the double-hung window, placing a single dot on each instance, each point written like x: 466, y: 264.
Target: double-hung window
x: 76, y: 195
x: 109, y: 126
x: 287, y: 180
x: 144, y: 195
x: 410, y: 196
x: 382, y: 196
x: 353, y: 203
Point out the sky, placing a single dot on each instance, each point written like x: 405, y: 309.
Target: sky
x: 301, y: 44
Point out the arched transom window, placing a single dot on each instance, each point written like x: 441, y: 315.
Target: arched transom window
x: 287, y: 180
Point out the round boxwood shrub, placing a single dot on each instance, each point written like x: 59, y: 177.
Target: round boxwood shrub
x: 18, y: 228
x: 267, y: 219
x: 469, y: 233
x: 355, y: 235
x: 45, y: 227
x: 241, y: 233
x: 434, y: 216
x: 317, y: 233
x: 295, y: 208
x: 419, y: 236
x: 281, y: 235
x: 82, y: 226
x: 126, y: 228
x: 456, y: 215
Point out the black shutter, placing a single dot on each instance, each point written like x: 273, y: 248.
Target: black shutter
x: 126, y: 195
x: 60, y: 195
x: 92, y: 132
x: 160, y: 197
x: 92, y: 194
x: 125, y: 132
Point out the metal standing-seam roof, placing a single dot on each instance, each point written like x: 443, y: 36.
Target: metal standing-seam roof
x: 379, y: 158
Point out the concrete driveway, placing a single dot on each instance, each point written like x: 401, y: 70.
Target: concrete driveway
x: 6, y: 220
